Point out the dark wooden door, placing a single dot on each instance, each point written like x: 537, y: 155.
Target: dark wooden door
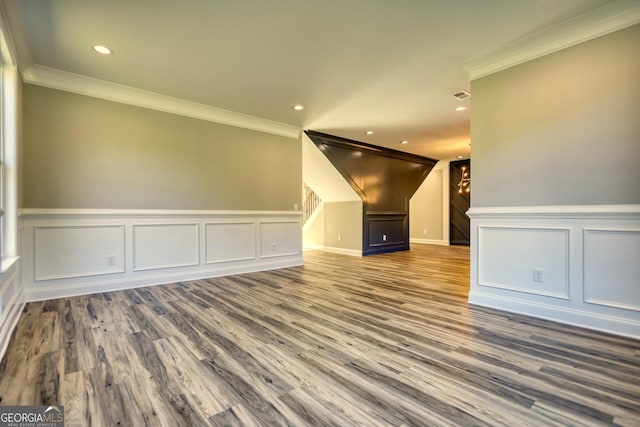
x: 459, y: 198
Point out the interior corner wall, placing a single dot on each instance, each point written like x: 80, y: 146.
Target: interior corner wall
x: 84, y: 152
x: 562, y: 129
x: 313, y: 230
x: 343, y: 226
x: 555, y: 201
x: 426, y: 210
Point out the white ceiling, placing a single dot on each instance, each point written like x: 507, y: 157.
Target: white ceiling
x: 386, y: 65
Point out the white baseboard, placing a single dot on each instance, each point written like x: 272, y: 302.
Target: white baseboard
x: 429, y: 241
x: 343, y: 251
x: 570, y: 316
x: 63, y: 290
x: 313, y: 247
x: 332, y: 249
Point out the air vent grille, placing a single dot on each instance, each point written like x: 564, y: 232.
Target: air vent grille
x: 463, y: 94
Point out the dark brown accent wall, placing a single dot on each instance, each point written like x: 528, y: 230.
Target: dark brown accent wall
x: 385, y: 180
x: 460, y: 229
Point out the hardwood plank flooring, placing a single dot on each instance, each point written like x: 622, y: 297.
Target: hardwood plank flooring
x: 385, y: 340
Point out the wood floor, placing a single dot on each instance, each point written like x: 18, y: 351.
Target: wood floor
x: 385, y: 340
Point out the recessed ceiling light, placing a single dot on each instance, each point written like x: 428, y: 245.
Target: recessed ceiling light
x: 298, y: 107
x: 404, y: 142
x: 461, y: 108
x: 102, y: 49
x: 369, y: 132
x: 459, y: 157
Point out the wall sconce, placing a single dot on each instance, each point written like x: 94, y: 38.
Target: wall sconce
x: 465, y: 181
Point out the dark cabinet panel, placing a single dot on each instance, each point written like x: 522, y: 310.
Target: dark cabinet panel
x: 386, y: 232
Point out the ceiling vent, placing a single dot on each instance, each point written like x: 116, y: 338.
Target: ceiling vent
x: 463, y: 94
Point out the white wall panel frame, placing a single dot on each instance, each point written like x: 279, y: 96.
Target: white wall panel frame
x: 617, y: 284
x: 147, y: 257
x: 45, y: 250
x: 274, y: 234
x: 562, y: 292
x: 239, y: 239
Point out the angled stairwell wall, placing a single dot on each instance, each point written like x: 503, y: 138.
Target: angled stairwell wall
x: 384, y: 180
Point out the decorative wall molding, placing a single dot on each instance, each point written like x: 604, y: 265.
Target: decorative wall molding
x: 150, y: 251
x: 83, y: 85
x: 11, y: 303
x: 242, y: 236
x: 503, y: 263
x: 613, y: 267
x: 157, y: 247
x: 278, y: 238
x: 569, y: 212
x: 597, y: 22
x: 59, y: 241
x: 155, y: 213
x: 596, y: 247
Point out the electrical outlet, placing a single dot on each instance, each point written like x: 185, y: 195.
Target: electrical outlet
x: 295, y: 206
x: 339, y: 236
x: 424, y: 231
x: 538, y: 275
x: 384, y: 237
x: 273, y: 247
x: 111, y: 260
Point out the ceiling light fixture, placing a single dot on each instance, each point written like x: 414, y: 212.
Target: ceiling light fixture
x: 404, y: 142
x: 459, y: 157
x: 298, y: 107
x: 103, y: 50
x: 465, y: 181
x: 461, y: 108
x: 369, y: 132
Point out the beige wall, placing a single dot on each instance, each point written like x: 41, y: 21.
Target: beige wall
x: 83, y: 152
x: 563, y: 129
x: 343, y: 219
x: 313, y: 230
x: 426, y: 209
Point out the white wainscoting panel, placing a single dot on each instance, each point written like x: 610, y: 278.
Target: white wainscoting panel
x: 11, y: 302
x: 230, y: 241
x: 507, y: 257
x: 590, y: 256
x: 280, y: 238
x: 79, y: 251
x: 65, y: 251
x: 612, y: 267
x: 158, y: 246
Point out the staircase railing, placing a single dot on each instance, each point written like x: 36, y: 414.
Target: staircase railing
x: 310, y: 204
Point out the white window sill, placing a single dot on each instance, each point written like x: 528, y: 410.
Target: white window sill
x: 7, y: 263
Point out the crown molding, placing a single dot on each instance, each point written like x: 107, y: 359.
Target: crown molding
x: 597, y: 22
x: 89, y: 86
x: 7, y: 45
